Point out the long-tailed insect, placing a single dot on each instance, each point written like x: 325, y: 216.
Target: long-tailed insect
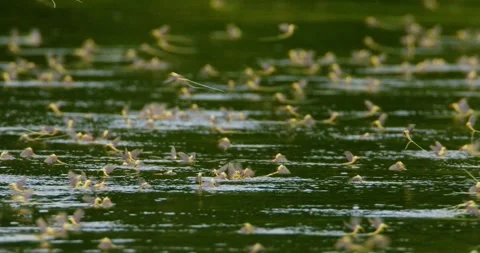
x: 476, y: 188
x: 287, y: 32
x: 408, y: 132
x: 438, y: 149
x: 372, y: 108
x: 350, y: 157
x: 174, y: 77
x: 470, y: 123
x: 398, y: 166
x: 354, y: 225
x: 333, y: 117
x: 281, y: 170
x: 378, y: 224
x: 380, y: 122
x: 462, y: 108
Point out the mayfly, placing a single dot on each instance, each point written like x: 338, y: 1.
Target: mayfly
x: 287, y: 32
x: 398, y: 166
x: 470, y: 123
x: 372, y: 108
x: 177, y: 78
x: 186, y: 159
x: 476, y: 188
x: 333, y: 117
x: 438, y: 149
x: 378, y: 224
x: 380, y: 122
x: 279, y: 158
x: 462, y: 108
x: 408, y: 132
x: 354, y: 225
x: 351, y: 158
x: 281, y: 170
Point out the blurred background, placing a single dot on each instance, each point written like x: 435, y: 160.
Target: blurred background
x: 337, y: 26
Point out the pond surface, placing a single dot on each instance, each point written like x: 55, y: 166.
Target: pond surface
x: 160, y: 204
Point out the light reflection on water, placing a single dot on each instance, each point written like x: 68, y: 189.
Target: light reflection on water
x: 309, y: 207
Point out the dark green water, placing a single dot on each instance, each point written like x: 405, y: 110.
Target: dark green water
x: 304, y: 211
